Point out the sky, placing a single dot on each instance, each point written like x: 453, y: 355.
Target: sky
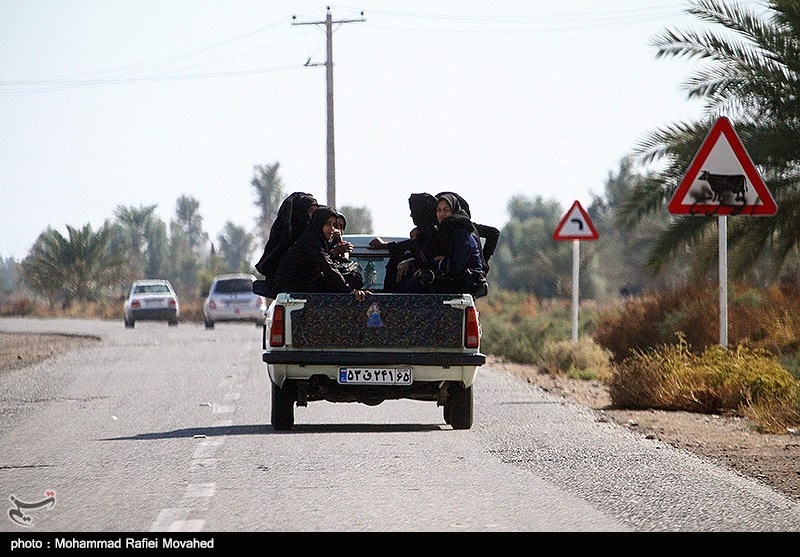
x: 133, y: 103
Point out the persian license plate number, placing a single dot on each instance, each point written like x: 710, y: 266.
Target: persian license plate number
x: 375, y: 376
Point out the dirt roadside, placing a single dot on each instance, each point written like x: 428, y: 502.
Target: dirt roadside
x: 727, y: 440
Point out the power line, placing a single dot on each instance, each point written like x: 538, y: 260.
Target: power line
x: 51, y: 86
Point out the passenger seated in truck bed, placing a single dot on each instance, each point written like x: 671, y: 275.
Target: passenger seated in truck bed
x: 490, y: 234
x: 307, y: 265
x: 339, y: 251
x: 460, y: 267
x: 421, y: 246
x: 291, y: 221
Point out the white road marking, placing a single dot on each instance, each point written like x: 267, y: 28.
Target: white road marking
x: 201, y: 490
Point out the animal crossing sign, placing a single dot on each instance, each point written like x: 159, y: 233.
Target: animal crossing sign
x: 722, y: 179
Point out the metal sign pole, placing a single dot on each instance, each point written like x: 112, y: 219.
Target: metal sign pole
x: 723, y: 280
x: 576, y: 265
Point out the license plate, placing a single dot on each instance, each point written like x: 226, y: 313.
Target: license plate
x: 375, y: 376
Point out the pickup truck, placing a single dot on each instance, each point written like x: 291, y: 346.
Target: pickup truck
x: 332, y: 347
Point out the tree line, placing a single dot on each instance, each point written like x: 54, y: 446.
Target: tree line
x: 88, y: 265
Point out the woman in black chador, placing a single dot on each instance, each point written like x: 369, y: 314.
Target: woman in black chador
x: 340, y: 250
x: 307, y: 265
x: 490, y: 234
x: 291, y: 221
x: 418, y: 251
x: 460, y: 266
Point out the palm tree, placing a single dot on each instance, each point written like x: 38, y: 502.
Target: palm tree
x: 77, y: 267
x: 269, y: 196
x: 235, y: 247
x: 135, y: 223
x: 190, y: 222
x: 750, y: 73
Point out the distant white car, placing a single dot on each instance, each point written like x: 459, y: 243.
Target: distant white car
x: 231, y: 298
x: 151, y: 300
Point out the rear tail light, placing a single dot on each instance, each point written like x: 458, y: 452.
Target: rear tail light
x: 212, y: 304
x: 173, y: 303
x: 136, y: 304
x: 472, y: 329
x: 277, y: 329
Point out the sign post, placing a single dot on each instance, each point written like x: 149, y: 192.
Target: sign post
x: 575, y: 225
x: 722, y: 180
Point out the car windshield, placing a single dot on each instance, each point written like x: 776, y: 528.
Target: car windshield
x: 234, y: 285
x: 151, y: 289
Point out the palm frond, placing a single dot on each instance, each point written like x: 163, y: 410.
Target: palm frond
x: 678, y: 238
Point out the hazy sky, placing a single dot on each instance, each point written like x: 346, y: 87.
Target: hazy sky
x: 135, y: 102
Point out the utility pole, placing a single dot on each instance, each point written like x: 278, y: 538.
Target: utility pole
x: 329, y: 81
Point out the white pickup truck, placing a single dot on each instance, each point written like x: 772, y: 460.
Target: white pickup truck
x: 335, y: 348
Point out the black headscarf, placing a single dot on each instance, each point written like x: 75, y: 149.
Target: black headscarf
x: 491, y: 233
x: 459, y: 219
x: 289, y: 224
x: 423, y: 209
x: 300, y: 217
x: 461, y: 201
x: 344, y: 221
x: 307, y: 265
x: 318, y: 219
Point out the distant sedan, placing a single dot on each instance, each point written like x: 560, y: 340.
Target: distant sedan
x: 231, y: 298
x: 151, y: 300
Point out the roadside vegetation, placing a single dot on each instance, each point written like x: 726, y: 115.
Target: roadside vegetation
x: 661, y: 351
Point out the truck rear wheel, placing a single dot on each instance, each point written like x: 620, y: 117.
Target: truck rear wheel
x: 282, y: 409
x: 458, y: 406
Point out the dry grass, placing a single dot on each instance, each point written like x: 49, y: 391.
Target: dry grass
x: 191, y: 309
x: 741, y: 381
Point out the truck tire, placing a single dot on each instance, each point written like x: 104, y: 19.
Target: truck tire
x: 282, y: 409
x: 458, y: 406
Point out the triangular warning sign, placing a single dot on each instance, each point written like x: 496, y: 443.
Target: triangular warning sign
x: 722, y: 179
x: 576, y: 225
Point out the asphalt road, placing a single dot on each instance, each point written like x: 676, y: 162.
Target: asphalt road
x: 166, y: 429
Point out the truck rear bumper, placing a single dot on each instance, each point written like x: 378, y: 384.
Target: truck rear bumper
x: 364, y: 359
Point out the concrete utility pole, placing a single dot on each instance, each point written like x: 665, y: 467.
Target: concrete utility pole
x: 329, y: 80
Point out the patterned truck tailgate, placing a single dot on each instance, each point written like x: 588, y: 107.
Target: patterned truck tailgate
x: 331, y: 321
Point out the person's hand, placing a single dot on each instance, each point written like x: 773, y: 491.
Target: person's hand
x: 403, y: 267
x: 361, y: 295
x: 378, y: 243
x: 341, y: 248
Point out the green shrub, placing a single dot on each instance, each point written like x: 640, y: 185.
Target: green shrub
x: 746, y: 381
x: 520, y: 342
x: 516, y: 326
x: 582, y: 360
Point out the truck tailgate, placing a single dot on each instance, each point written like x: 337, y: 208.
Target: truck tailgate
x: 382, y: 321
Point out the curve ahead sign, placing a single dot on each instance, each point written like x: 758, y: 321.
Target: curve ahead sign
x: 722, y: 179
x: 575, y: 225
